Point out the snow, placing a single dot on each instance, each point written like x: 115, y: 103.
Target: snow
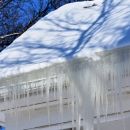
x: 70, y: 31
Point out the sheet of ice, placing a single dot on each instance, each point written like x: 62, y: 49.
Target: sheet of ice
x: 71, y: 31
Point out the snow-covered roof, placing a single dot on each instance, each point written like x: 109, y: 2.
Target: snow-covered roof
x: 74, y: 30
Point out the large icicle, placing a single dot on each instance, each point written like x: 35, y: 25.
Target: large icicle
x: 80, y: 77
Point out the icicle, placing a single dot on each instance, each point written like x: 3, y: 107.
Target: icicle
x: 78, y: 115
x: 27, y: 98
x: 15, y: 111
x: 106, y: 87
x: 68, y: 93
x: 113, y: 85
x: 8, y: 97
x: 4, y: 94
x: 48, y: 98
x: 55, y: 87
x: 43, y: 87
x: 81, y: 79
x: 79, y: 122
x: 11, y: 99
x: 39, y: 87
x: 120, y: 92
x: 98, y: 95
x: 89, y: 88
x: 60, y: 90
x: 72, y: 107
x: 14, y: 100
x: 104, y: 79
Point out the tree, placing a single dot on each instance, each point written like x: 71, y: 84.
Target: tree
x: 16, y: 16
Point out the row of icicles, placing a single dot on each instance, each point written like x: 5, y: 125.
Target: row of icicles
x: 92, y: 92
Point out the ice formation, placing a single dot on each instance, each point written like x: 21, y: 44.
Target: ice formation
x: 95, y: 89
x: 95, y: 82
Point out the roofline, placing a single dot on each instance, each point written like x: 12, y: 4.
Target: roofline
x: 59, y: 67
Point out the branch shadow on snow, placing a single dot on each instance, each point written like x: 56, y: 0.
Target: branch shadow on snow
x: 85, y: 35
x: 68, y: 37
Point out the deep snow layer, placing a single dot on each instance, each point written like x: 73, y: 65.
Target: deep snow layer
x: 74, y: 30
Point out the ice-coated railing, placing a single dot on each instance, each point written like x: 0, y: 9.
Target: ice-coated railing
x: 42, y: 88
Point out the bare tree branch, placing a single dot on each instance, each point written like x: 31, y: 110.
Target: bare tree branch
x: 9, y: 35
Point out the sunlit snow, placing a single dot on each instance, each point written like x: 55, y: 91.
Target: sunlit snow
x: 71, y: 31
